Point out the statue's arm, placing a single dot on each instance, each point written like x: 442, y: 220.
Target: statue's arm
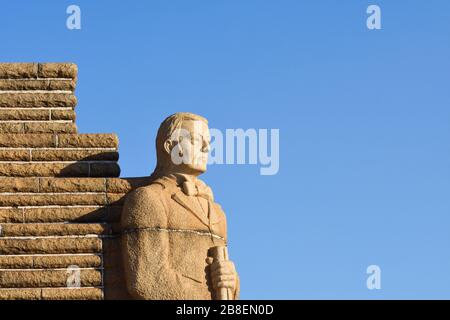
x: 148, y: 271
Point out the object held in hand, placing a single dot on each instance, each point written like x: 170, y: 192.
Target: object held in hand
x: 220, y: 253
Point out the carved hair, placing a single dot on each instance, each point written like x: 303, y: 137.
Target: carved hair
x: 165, y: 131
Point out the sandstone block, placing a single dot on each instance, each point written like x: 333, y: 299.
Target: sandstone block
x: 50, y: 245
x: 37, y: 84
x: 72, y: 294
x: 8, y: 184
x: 20, y: 294
x: 72, y: 184
x: 37, y: 127
x: 16, y: 262
x: 25, y: 114
x: 50, y: 127
x: 27, y: 140
x: 37, y: 100
x: 15, y: 155
x: 57, y: 70
x: 125, y: 185
x: 62, y: 199
x: 70, y: 155
x: 11, y: 215
x: 50, y: 261
x: 65, y: 214
x: 64, y: 261
x: 53, y: 229
x: 62, y: 114
x: 46, y: 278
x: 49, y: 169
x: 104, y: 169
x: 18, y: 70
x: 9, y: 127
x: 42, y: 140
x: 116, y: 199
x: 88, y: 140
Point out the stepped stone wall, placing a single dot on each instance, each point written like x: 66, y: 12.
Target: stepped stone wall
x: 60, y: 195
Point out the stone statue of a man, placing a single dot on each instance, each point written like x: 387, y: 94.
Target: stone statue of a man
x: 170, y: 227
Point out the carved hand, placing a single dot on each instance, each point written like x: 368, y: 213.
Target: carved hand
x: 223, y: 274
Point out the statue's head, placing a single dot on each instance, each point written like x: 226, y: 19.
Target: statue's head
x: 182, y: 145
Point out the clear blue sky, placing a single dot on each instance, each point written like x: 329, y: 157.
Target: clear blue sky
x: 364, y: 119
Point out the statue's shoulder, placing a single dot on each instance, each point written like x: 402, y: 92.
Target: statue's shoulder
x: 152, y: 193
x: 144, y: 206
x: 152, y: 189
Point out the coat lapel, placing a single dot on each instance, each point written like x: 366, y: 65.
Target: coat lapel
x: 183, y: 200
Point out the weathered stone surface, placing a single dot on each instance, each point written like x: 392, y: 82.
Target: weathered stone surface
x: 65, y: 214
x: 88, y: 140
x: 46, y: 278
x: 8, y: 184
x: 52, y: 199
x: 11, y: 215
x: 16, y: 262
x: 37, y: 100
x: 85, y: 244
x: 37, y: 127
x: 50, y: 261
x: 10, y: 127
x: 15, y: 155
x: 72, y: 294
x: 49, y: 169
x: 72, y: 184
x: 57, y: 70
x: 113, y: 275
x: 72, y: 155
x: 25, y: 114
x: 20, y: 294
x: 59, y: 169
x: 124, y: 185
x: 18, y: 70
x: 54, y: 185
x: 59, y: 140
x: 62, y: 114
x: 27, y: 140
x: 53, y: 229
x: 50, y: 127
x: 51, y: 294
x: 104, y: 169
x: 56, y: 154
x: 37, y: 84
x: 116, y: 198
x: 64, y: 261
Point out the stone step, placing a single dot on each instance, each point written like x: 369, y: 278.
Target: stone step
x: 53, y: 229
x: 50, y: 261
x: 38, y: 127
x: 81, y: 214
x: 52, y: 294
x: 50, y: 245
x: 37, y: 99
x: 38, y: 70
x: 58, y: 154
x: 37, y: 84
x: 35, y: 278
x: 60, y: 169
x: 60, y: 199
x: 36, y: 114
x: 97, y: 140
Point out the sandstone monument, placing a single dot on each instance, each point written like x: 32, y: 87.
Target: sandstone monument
x: 173, y: 231
x: 61, y: 203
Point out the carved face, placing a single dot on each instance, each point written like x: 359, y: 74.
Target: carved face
x: 189, y: 147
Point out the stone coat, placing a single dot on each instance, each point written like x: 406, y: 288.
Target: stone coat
x: 166, y: 236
